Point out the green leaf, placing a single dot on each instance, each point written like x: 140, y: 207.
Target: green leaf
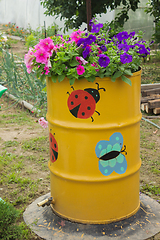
x: 43, y: 77
x: 61, y: 77
x: 126, y: 80
x: 54, y: 78
x: 113, y: 79
x: 73, y: 63
x: 117, y: 74
x: 44, y: 89
x: 91, y: 79
x: 71, y: 81
x: 128, y: 72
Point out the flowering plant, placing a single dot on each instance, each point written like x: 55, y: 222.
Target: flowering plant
x: 88, y: 55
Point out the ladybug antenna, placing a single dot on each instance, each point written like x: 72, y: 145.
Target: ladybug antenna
x: 72, y: 88
x: 100, y: 88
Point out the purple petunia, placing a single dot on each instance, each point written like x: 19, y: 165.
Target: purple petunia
x: 123, y: 47
x: 96, y: 27
x: 103, y: 48
x: 103, y: 60
x: 125, y: 58
x: 142, y: 50
x: 122, y: 35
x: 90, y: 39
x: 82, y: 41
x: 86, y: 52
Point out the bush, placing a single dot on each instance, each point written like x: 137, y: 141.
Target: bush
x: 8, y: 216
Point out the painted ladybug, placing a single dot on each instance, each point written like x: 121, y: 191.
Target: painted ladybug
x: 82, y: 103
x: 53, y: 147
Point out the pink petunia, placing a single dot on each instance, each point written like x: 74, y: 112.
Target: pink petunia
x: 80, y: 70
x: 47, y: 44
x: 41, y: 56
x: 81, y: 60
x: 75, y: 36
x: 28, y: 60
x: 96, y: 66
x: 43, y: 122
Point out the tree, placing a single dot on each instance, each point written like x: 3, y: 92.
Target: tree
x: 74, y: 11
x: 153, y: 7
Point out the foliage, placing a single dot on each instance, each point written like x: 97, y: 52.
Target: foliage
x: 73, y: 11
x: 22, y: 85
x: 40, y: 33
x: 4, y: 42
x: 13, y: 29
x: 153, y: 7
x: 8, y: 217
x: 88, y: 55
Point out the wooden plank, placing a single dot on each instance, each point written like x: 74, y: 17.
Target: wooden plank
x: 150, y: 92
x: 143, y: 106
x: 148, y: 98
x: 154, y: 103
x: 148, y: 110
x: 156, y: 110
x: 150, y: 86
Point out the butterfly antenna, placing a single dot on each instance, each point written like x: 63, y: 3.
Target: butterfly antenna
x: 98, y: 88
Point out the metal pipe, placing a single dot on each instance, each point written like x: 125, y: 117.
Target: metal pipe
x: 151, y: 122
x: 47, y: 202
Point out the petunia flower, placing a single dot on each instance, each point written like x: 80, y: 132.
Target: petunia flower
x: 122, y: 35
x: 96, y: 27
x: 123, y: 47
x: 43, y: 122
x: 103, y: 60
x: 86, y: 52
x: 41, y: 56
x: 90, y: 39
x: 81, y: 60
x: 125, y: 58
x: 80, y: 70
x: 103, y: 48
x: 75, y: 36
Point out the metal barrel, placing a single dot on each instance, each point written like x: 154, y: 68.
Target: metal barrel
x: 94, y: 148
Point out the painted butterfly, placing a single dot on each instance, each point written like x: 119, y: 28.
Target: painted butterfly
x: 110, y: 154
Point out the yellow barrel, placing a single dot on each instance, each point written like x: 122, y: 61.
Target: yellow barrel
x: 95, y: 148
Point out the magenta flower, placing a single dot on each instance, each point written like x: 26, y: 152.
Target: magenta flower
x: 41, y: 56
x: 75, y: 36
x: 96, y: 66
x: 80, y: 70
x: 81, y: 60
x: 43, y: 122
x: 46, y: 43
x: 103, y: 60
x: 125, y: 58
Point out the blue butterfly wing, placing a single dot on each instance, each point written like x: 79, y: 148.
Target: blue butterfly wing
x: 118, y: 164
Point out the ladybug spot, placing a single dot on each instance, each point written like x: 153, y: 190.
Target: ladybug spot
x: 55, y: 145
x: 51, y: 139
x: 83, y: 113
x: 88, y: 108
x: 76, y: 96
x: 86, y: 97
x: 72, y: 103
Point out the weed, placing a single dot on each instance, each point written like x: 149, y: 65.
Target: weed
x: 8, y: 216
